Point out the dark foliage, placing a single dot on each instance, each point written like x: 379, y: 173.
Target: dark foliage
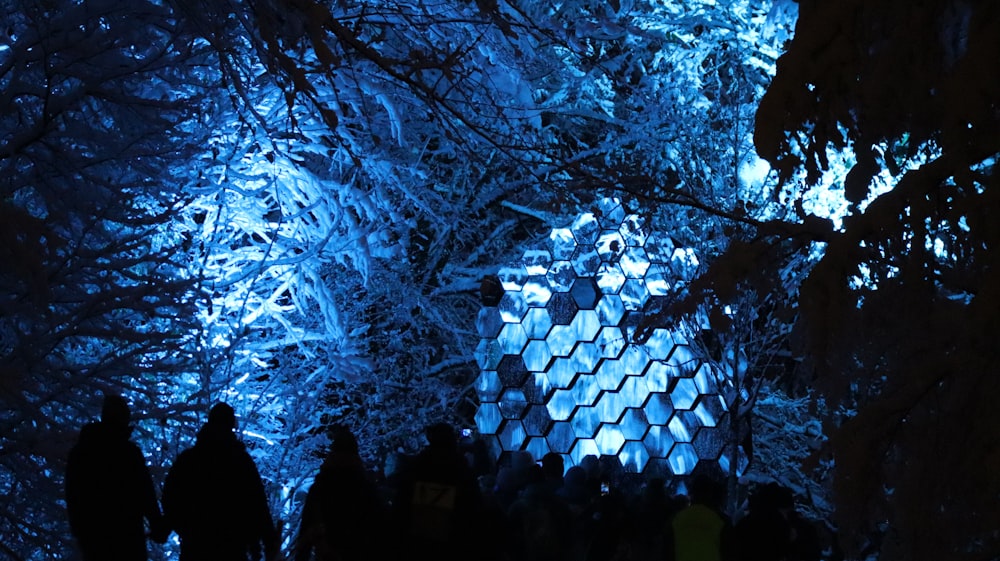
x: 898, y: 315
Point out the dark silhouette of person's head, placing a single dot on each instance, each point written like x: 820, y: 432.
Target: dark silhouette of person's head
x: 220, y: 425
x: 344, y: 442
x: 442, y: 437
x: 554, y: 465
x: 706, y: 490
x: 222, y: 417
x: 115, y: 412
x: 771, y: 497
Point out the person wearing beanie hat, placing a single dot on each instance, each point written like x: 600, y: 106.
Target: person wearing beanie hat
x: 213, y: 497
x: 110, y: 495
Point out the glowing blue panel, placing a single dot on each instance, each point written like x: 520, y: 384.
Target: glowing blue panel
x: 630, y: 323
x: 610, y: 374
x: 659, y: 280
x: 660, y: 344
x: 634, y: 391
x: 512, y: 307
x: 585, y: 293
x: 690, y: 419
x: 561, y: 438
x: 610, y: 407
x: 658, y: 441
x: 586, y: 422
x: 610, y: 342
x: 537, y: 323
x: 562, y: 243
x: 513, y: 403
x: 710, y: 409
x: 585, y: 357
x: 537, y: 355
x: 612, y: 216
x: 658, y: 377
x: 659, y: 247
x: 635, y: 360
x: 488, y: 385
x: 684, y: 393
x: 634, y: 424
x: 610, y: 278
x: 633, y: 229
x: 610, y: 310
x: 536, y: 292
x: 488, y: 418
x: 561, y: 339
x: 488, y: 354
x: 537, y: 261
x: 585, y: 261
x: 541, y: 390
x: 561, y: 406
x: 659, y: 409
x: 634, y: 294
x: 704, y: 379
x: 537, y: 446
x: 682, y: 459
x: 684, y: 359
x: 512, y: 435
x: 512, y: 279
x: 561, y: 308
x: 585, y: 229
x: 609, y: 440
x: 561, y: 373
x: 610, y: 246
x: 583, y: 448
x: 512, y: 339
x: 489, y: 322
x: 634, y: 263
x: 536, y: 421
x: 679, y: 430
x: 586, y: 325
x: 684, y: 263
x: 561, y: 276
x: 741, y: 462
x: 585, y: 391
x: 512, y: 371
x: 634, y: 457
x: 708, y: 444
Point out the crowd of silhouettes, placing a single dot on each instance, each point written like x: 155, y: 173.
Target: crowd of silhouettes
x: 450, y: 501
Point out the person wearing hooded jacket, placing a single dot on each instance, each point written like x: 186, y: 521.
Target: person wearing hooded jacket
x: 109, y: 492
x: 344, y: 516
x: 213, y: 497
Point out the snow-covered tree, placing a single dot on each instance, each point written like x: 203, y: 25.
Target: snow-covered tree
x: 102, y: 107
x: 291, y: 205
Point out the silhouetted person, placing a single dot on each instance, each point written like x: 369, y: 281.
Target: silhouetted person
x: 109, y: 492
x: 438, y: 504
x: 554, y: 467
x: 772, y: 530
x: 765, y: 533
x: 343, y: 513
x: 604, y: 522
x: 214, y: 499
x: 700, y: 531
x: 541, y: 522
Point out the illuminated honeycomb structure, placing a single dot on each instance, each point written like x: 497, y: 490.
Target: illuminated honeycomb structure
x: 559, y: 371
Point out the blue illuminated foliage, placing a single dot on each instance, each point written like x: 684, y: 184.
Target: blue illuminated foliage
x: 291, y: 213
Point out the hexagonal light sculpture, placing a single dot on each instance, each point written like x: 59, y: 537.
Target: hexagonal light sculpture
x: 561, y: 372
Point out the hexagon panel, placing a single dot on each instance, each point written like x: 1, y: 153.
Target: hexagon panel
x: 561, y: 371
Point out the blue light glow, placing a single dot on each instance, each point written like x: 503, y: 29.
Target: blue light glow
x: 562, y: 332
